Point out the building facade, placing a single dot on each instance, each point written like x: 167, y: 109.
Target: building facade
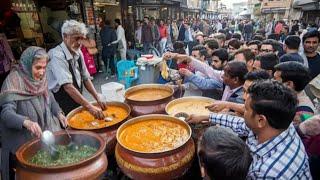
x: 254, y: 7
x: 166, y: 9
x: 279, y: 10
x: 238, y: 8
x: 307, y: 10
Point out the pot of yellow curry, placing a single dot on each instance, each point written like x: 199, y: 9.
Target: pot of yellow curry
x: 148, y: 98
x: 154, y: 147
x: 81, y: 119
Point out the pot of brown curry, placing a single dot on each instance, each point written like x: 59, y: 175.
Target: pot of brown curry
x: 148, y: 98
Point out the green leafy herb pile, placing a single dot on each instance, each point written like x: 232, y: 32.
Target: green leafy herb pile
x: 66, y: 156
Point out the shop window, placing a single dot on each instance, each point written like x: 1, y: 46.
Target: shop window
x: 29, y: 21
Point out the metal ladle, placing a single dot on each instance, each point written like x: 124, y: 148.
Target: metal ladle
x: 71, y: 145
x: 49, y: 139
x: 182, y: 116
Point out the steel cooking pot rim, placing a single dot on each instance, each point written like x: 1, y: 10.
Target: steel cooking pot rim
x: 31, y: 142
x: 80, y: 108
x: 151, y: 117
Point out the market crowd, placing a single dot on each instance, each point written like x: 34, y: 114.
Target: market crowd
x: 265, y: 79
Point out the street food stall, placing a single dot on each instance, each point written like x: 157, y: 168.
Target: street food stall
x: 144, y: 134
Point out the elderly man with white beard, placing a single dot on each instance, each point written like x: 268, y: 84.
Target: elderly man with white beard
x: 67, y: 72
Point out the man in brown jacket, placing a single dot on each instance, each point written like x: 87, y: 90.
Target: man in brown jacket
x: 146, y: 35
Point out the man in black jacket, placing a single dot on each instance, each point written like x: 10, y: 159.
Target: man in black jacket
x: 108, y: 35
x: 182, y: 29
x: 248, y: 31
x: 146, y: 35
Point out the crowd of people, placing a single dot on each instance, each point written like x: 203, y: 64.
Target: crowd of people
x: 266, y: 87
x: 265, y: 80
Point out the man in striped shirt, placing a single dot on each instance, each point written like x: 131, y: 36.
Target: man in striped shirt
x: 277, y: 150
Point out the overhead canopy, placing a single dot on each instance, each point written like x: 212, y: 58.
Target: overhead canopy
x: 297, y: 3
x: 306, y: 5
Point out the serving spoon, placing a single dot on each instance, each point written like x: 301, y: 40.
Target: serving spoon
x: 71, y: 145
x: 48, y: 138
x: 182, y: 116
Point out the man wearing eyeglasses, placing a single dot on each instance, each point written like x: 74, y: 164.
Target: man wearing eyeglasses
x: 267, y: 46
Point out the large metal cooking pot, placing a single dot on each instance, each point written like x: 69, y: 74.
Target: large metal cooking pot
x: 142, y: 107
x: 107, y: 133
x: 90, y: 168
x: 169, y: 164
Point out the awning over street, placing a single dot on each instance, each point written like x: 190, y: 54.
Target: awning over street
x: 306, y: 5
x: 297, y: 3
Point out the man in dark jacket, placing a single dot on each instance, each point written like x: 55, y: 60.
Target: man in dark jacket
x: 295, y: 27
x: 182, y: 29
x: 240, y: 26
x: 146, y: 35
x: 248, y: 30
x: 155, y: 34
x: 108, y: 35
